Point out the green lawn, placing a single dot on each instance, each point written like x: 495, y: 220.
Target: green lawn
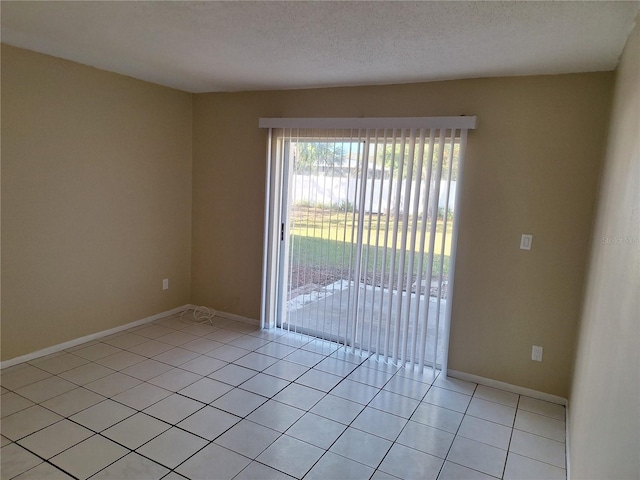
x: 322, y: 239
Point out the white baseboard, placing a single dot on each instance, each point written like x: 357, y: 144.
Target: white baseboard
x: 77, y: 341
x: 547, y: 397
x: 238, y: 318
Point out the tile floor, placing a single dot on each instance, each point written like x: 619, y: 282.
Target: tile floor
x: 174, y: 399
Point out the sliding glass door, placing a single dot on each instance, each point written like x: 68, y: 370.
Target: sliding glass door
x: 366, y: 244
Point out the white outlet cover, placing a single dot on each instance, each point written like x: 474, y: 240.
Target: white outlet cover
x: 536, y: 353
x: 525, y: 241
x: 165, y: 284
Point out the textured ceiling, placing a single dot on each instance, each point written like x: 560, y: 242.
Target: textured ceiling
x: 231, y: 46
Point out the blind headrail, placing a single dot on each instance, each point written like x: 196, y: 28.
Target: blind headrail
x: 461, y: 122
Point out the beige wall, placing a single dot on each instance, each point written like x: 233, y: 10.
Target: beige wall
x: 96, y: 200
x: 532, y: 167
x: 605, y: 395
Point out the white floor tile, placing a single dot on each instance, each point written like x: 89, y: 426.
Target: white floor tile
x: 538, y: 448
x: 370, y: 376
x: 73, y: 401
x: 126, y: 341
x: 541, y: 407
x: 12, y: 403
x: 276, y: 350
x: 247, y: 438
x: 120, y: 360
x: 44, y: 471
x: 45, y: 389
x: 132, y: 467
x: 205, y: 390
x: 303, y: 357
x: 447, y: 399
x: 175, y: 379
x: 27, y: 421
x: 338, y: 409
x: 55, y: 438
x: 276, y: 415
x: 540, y: 425
x: 354, y: 391
x: 102, y: 415
x: 361, y: 447
x: 280, y: 455
x: 485, y: 431
x: 453, y: 471
x: 96, y: 351
x: 264, y: 385
x: 523, y: 468
x: 177, y: 338
x: 223, y: 336
x: 335, y: 466
x: 426, y: 439
x: 173, y: 408
x: 395, y: 404
x: 319, y: 380
x: 136, y: 430
x: 478, y: 456
x: 438, y: 417
x: 113, y: 384
x: 286, y: 370
x: 239, y: 402
x: 405, y: 462
x: 203, y: 365
x: 154, y: 331
x: 233, y: 374
x: 258, y: 471
x: 214, y: 458
x: 150, y: 348
x: 299, y: 396
x: 498, y: 396
x: 201, y: 345
x: 494, y: 412
x: 455, y: 384
x: 87, y: 373
x: 316, y: 430
x: 14, y: 460
x: 379, y: 423
x: 89, y: 457
x: 248, y: 342
x: 176, y: 356
x: 59, y: 363
x: 147, y: 369
x: 256, y: 361
x: 141, y: 396
x: 407, y: 387
x: 336, y: 367
x: 172, y: 447
x: 209, y: 422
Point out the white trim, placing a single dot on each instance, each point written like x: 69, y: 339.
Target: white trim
x: 567, y: 450
x: 461, y: 122
x: 87, y: 338
x: 238, y: 318
x: 547, y: 397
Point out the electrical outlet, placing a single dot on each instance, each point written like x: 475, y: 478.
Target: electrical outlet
x: 165, y: 284
x: 536, y: 353
x: 525, y: 241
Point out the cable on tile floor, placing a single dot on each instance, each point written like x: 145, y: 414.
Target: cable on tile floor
x: 201, y: 314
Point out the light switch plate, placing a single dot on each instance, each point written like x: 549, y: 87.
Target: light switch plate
x: 526, y: 241
x: 165, y: 284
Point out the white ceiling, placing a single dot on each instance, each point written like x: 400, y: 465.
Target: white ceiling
x: 231, y: 46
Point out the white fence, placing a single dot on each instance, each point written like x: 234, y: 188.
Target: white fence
x: 338, y: 191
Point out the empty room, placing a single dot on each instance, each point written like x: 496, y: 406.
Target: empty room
x: 320, y: 240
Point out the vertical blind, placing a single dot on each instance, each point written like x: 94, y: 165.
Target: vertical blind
x: 361, y: 227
